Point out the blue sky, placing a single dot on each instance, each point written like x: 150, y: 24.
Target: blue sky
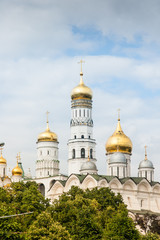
x: 40, y: 45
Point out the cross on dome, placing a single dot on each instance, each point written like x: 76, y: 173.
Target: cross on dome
x: 81, y: 61
x: 145, y: 152
x: 118, y: 113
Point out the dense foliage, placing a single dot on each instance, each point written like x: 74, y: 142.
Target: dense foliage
x: 20, y: 198
x: 91, y: 214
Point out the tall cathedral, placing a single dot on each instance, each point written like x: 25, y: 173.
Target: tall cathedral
x: 140, y: 193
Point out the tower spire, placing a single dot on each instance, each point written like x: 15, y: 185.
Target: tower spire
x: 118, y: 113
x: 47, y: 121
x: 81, y: 73
x: 145, y: 152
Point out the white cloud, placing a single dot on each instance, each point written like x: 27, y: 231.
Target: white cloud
x: 38, y: 69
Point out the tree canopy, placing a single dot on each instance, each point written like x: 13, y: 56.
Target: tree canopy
x: 88, y: 215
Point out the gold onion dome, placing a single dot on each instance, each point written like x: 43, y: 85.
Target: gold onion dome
x: 47, y: 136
x: 17, y: 171
x: 81, y: 91
x: 2, y: 160
x: 120, y: 140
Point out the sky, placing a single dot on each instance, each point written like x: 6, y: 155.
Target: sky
x: 40, y: 45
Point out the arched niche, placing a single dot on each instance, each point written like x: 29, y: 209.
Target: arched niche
x: 103, y: 183
x: 129, y: 185
x: 115, y: 184
x: 144, y: 186
x: 89, y: 182
x: 72, y: 181
x: 156, y: 189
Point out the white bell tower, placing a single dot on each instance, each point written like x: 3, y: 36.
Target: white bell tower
x: 81, y: 139
x: 47, y: 163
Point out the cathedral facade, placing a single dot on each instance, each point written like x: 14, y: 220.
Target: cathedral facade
x: 140, y: 193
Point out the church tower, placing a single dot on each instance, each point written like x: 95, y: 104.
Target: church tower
x: 47, y: 153
x: 81, y: 125
x: 116, y: 163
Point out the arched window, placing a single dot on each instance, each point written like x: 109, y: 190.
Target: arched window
x: 48, y: 152
x: 91, y: 153
x: 89, y: 136
x: 80, y: 113
x: 73, y: 153
x: 82, y: 153
x: 82, y: 136
x: 84, y: 112
x: 4, y: 173
x: 74, y: 136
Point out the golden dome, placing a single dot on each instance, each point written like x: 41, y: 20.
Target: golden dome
x: 2, y: 160
x: 17, y: 171
x: 81, y: 91
x: 47, y: 136
x: 120, y: 140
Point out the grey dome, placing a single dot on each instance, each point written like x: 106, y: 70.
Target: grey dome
x: 89, y: 166
x: 118, y: 157
x: 146, y: 164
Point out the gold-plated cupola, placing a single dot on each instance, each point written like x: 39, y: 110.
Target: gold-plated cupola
x: 47, y: 136
x: 81, y: 91
x: 120, y: 140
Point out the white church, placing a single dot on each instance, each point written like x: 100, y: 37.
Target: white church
x: 140, y: 193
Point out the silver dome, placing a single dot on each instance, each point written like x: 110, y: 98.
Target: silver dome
x: 118, y: 157
x: 146, y: 164
x: 89, y: 166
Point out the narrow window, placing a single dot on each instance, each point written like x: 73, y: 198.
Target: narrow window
x: 87, y: 113
x: 91, y: 153
x: 111, y: 171
x: 73, y: 153
x: 117, y: 171
x: 4, y: 172
x: 40, y: 152
x: 74, y: 136
x: 48, y: 152
x: 84, y: 112
x: 123, y: 171
x: 145, y: 174
x: 82, y: 136
x: 48, y: 173
x: 151, y: 177
x: 76, y: 113
x: 80, y: 113
x: 82, y: 153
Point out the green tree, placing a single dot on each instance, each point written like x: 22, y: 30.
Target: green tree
x: 151, y: 236
x: 19, y: 198
x: 44, y: 228
x: 95, y: 214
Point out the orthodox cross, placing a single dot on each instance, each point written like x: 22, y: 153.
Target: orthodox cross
x: 81, y: 63
x: 145, y: 152
x: 47, y: 115
x: 119, y: 113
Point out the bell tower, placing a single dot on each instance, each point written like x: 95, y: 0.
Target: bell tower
x: 81, y: 125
